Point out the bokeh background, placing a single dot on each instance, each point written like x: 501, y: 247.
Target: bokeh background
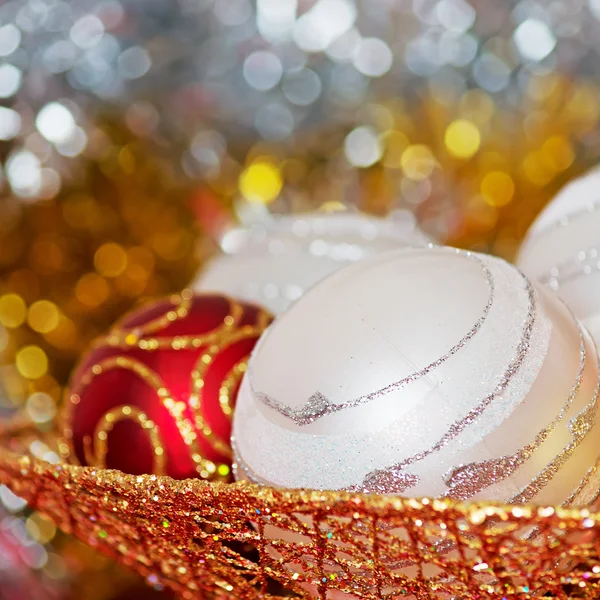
x: 133, y: 133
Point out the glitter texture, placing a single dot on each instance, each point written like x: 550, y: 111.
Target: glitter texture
x: 473, y: 415
x: 318, y: 405
x: 579, y: 426
x: 588, y: 490
x: 484, y: 405
x: 466, y: 481
x: 370, y: 547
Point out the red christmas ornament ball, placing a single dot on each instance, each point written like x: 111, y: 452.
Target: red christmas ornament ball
x: 156, y: 394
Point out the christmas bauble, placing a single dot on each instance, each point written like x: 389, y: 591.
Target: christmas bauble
x: 562, y: 249
x: 273, y: 264
x: 156, y: 394
x: 424, y: 372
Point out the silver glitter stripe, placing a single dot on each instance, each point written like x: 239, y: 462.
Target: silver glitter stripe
x: 465, y: 481
x: 590, y: 209
x: 378, y: 479
x: 580, y: 426
x: 318, y: 405
x: 592, y: 476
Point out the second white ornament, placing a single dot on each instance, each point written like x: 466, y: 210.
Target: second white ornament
x: 562, y: 249
x: 274, y: 263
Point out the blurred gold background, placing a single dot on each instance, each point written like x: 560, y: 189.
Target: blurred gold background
x: 131, y: 203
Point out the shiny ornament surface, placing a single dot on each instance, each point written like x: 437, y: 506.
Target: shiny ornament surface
x: 274, y: 263
x: 420, y: 372
x: 562, y: 249
x: 156, y: 394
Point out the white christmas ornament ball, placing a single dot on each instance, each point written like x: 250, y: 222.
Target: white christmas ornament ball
x: 274, y: 263
x: 424, y: 372
x: 562, y: 249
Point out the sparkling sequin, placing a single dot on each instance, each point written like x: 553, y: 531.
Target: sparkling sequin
x: 381, y: 482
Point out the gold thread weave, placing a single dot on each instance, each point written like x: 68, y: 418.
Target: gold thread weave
x: 216, y: 540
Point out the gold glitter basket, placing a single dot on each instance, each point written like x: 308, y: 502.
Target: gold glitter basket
x: 214, y: 540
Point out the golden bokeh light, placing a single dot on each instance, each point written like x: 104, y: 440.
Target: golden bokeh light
x: 43, y: 316
x: 223, y: 470
x: 40, y: 528
x: 15, y: 385
x: 332, y: 206
x: 462, y: 138
x: 64, y: 336
x: 171, y: 246
x: 48, y: 385
x: 13, y: 311
x: 261, y: 182
x: 41, y: 407
x: 133, y: 282
x: 536, y: 169
x: 558, y: 153
x: 497, y: 188
x: 110, y: 260
x: 31, y: 362
x: 417, y: 162
x: 92, y: 290
x: 141, y: 257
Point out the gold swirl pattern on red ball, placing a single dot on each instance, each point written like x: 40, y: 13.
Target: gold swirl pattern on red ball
x: 104, y: 427
x: 141, y: 337
x: 144, y: 337
x: 232, y: 379
x: 153, y: 379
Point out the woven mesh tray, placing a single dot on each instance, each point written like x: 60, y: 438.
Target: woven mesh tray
x: 216, y: 540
